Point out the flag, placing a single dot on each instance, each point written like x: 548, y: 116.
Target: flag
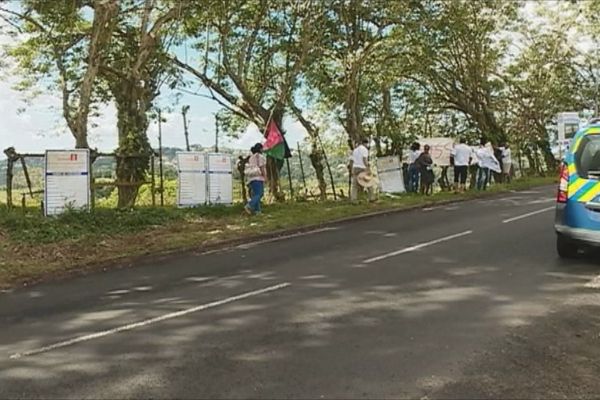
x: 275, y: 144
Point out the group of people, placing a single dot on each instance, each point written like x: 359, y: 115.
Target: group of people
x: 482, y: 163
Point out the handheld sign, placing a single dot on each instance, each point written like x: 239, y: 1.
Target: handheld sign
x: 441, y: 149
x: 191, y: 179
x: 390, y: 174
x: 67, y: 181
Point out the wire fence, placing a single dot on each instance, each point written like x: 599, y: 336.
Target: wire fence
x: 22, y: 180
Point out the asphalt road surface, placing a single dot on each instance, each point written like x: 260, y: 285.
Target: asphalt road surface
x: 461, y: 301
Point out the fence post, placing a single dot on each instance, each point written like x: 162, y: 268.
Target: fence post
x: 287, y: 161
x: 92, y: 185
x: 301, y: 168
x: 153, y: 182
x: 9, y: 181
x: 160, y: 160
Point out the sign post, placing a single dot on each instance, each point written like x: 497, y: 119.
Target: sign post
x: 191, y: 179
x: 220, y: 178
x: 67, y: 181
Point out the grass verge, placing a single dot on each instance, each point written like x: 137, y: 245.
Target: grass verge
x: 34, y: 248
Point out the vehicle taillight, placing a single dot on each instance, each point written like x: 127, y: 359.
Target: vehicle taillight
x: 563, y: 186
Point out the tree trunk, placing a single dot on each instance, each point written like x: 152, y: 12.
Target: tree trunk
x: 274, y: 166
x: 241, y: 167
x: 102, y: 29
x: 352, y: 106
x: 134, y: 149
x: 316, y: 159
x: 548, y: 156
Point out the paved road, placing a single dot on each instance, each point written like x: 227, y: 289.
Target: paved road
x: 466, y: 300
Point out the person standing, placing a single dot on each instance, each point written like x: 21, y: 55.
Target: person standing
x: 487, y: 164
x: 413, y: 171
x: 462, y: 155
x: 506, y: 162
x: 256, y: 175
x: 483, y: 173
x: 360, y: 164
x: 498, y: 176
x: 425, y: 166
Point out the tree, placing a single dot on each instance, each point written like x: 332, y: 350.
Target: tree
x: 134, y: 71
x: 541, y: 81
x: 459, y: 55
x: 62, y: 45
x: 252, y: 54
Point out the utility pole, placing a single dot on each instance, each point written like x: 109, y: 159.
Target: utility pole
x: 184, y: 111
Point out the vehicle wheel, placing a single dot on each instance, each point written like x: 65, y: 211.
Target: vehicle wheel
x: 565, y: 247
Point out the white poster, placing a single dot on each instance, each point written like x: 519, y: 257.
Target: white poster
x: 389, y: 170
x: 441, y: 150
x: 220, y: 179
x: 67, y: 181
x: 191, y: 179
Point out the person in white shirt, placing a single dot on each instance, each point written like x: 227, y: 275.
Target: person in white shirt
x: 487, y: 163
x: 462, y: 155
x: 506, y: 162
x: 360, y: 164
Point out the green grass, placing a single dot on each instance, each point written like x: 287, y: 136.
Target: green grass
x: 34, y: 247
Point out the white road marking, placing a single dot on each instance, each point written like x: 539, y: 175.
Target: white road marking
x: 594, y: 283
x: 246, y: 246
x: 416, y: 247
x: 147, y: 322
x: 543, y: 210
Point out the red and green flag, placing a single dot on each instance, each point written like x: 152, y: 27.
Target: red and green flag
x: 275, y: 144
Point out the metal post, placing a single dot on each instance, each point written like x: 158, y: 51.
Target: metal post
x: 160, y: 160
x: 9, y: 180
x: 216, y: 132
x: 287, y: 161
x: 92, y: 185
x: 153, y: 180
x: 184, y: 111
x: 302, y: 168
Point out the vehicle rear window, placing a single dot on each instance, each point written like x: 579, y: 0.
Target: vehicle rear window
x: 587, y: 158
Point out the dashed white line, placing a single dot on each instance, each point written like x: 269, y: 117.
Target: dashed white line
x: 416, y: 247
x: 147, y: 322
x: 279, y: 238
x: 518, y: 217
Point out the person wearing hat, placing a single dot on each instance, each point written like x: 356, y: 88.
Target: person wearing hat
x: 360, y: 167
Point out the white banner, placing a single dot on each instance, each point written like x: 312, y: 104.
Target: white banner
x: 67, y: 181
x: 390, y: 175
x: 441, y: 149
x: 220, y: 179
x: 191, y: 179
